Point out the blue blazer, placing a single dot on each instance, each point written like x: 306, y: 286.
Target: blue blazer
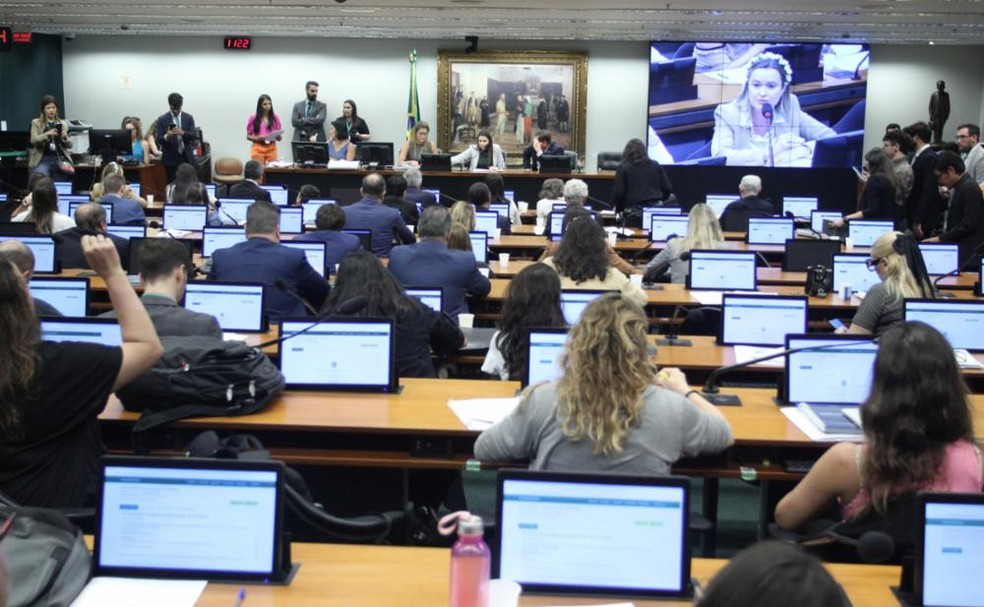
x: 126, y: 212
x: 385, y: 223
x: 339, y: 245
x: 169, y: 145
x: 426, y: 199
x: 260, y: 260
x: 430, y: 263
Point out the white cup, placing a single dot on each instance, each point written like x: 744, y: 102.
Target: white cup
x: 484, y: 272
x: 523, y: 206
x: 636, y: 279
x: 466, y: 321
x: 612, y: 239
x: 150, y: 199
x: 539, y: 228
x: 848, y: 243
x: 503, y: 259
x: 497, y: 233
x: 503, y: 593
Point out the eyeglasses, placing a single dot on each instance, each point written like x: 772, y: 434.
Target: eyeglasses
x: 871, y: 264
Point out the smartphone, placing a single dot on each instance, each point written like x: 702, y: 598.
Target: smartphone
x: 858, y: 172
x: 836, y: 324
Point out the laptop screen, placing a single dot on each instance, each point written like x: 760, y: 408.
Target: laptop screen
x: 43, y: 248
x: 817, y: 219
x: 839, y: 373
x: 661, y: 227
x: 135, y: 188
x: 291, y: 220
x: 573, y: 302
x: 649, y: 212
x: 210, y: 188
x: 237, y: 307
x: 185, y: 217
x: 107, y: 206
x: 865, y: 232
x: 948, y: 555
x: 486, y: 221
x: 543, y: 356
x: 722, y: 270
x: 316, y: 253
x: 340, y: 354
x: 215, y: 238
x: 310, y: 209
x: 127, y: 231
x: 480, y: 247
x: 770, y: 230
x: 593, y: 534
x: 556, y: 226
x: 105, y: 331
x: 799, y: 206
x: 70, y: 296
x: 234, y: 210
x: 718, y: 202
x: 960, y: 322
x: 501, y: 208
x: 849, y: 269
x: 190, y: 518
x: 63, y: 187
x: 758, y: 320
x: 432, y: 297
x: 65, y: 200
x: 278, y: 194
x: 940, y: 258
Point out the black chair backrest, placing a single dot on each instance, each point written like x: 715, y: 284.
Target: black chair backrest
x: 705, y: 320
x: 609, y: 161
x: 736, y: 220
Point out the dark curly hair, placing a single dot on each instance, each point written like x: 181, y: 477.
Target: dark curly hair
x: 583, y: 251
x: 532, y: 300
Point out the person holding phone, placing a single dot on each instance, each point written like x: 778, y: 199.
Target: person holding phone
x: 50, y: 143
x: 177, y: 135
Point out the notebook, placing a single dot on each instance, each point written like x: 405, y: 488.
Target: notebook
x: 105, y: 331
x: 769, y: 230
x: 556, y: 226
x: 316, y: 252
x: 960, y: 322
x: 544, y: 348
x: 573, y: 302
x: 135, y: 188
x: 661, y: 227
x: 278, y: 194
x: 43, y: 247
x: 107, y: 206
x: 212, y: 519
x: 237, y: 306
x: 722, y: 271
x: 185, y: 217
x: 291, y: 220
x: 310, y: 209
x: 501, y: 208
x: 718, y: 202
x: 215, y: 238
x: 480, y: 246
x: 865, y: 232
x: 940, y: 258
x: 593, y: 534
x: 339, y: 354
x: 948, y: 559
x: 127, y: 231
x: 432, y: 297
x: 799, y: 206
x: 63, y: 187
x: 760, y: 320
x: 838, y: 373
x: 850, y: 269
x: 70, y: 296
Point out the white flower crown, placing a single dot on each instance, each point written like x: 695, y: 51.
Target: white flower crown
x: 772, y: 57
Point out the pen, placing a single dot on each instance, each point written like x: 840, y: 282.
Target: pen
x: 240, y: 597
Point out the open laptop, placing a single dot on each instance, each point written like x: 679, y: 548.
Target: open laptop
x: 573, y: 302
x: 649, y: 212
x: 948, y: 558
x: 593, y: 534
x: 136, y: 245
x: 761, y: 320
x: 315, y: 251
x: 432, y: 297
x: 960, y: 321
x: 661, y: 227
x: 819, y: 219
x: 364, y: 236
x: 291, y: 220
x: 210, y: 188
x: 940, y: 258
x: 63, y: 187
x: 718, y: 202
x: 486, y: 221
x: 185, y: 217
x: 850, y: 269
x: 799, y: 206
x: 501, y: 208
x: 65, y: 200
x: 278, y: 194
x: 769, y: 230
x: 127, y: 231
x: 435, y: 162
x: 188, y: 518
x: 544, y: 348
x: 70, y: 296
x: 107, y: 206
x: 105, y: 331
x: 43, y: 247
x: 237, y: 306
x: 801, y: 254
x: 480, y: 246
x: 865, y: 232
x: 233, y: 210
x: 310, y: 209
x: 339, y: 354
x: 216, y: 237
x: 722, y: 271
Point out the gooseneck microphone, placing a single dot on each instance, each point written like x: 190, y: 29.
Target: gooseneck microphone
x: 218, y: 207
x: 348, y: 307
x: 804, y: 221
x: 283, y: 286
x: 769, y: 113
x: 672, y: 333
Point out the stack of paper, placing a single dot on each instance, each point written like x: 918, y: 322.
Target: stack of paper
x: 480, y: 413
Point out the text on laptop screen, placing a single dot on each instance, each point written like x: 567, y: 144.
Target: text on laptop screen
x: 222, y: 520
x: 556, y: 226
x: 68, y: 296
x: 88, y: 330
x: 68, y: 199
x: 501, y: 208
x: 952, y: 556
x: 486, y: 221
x: 592, y: 535
x: 311, y: 209
x: 766, y: 230
x: 799, y: 206
x: 573, y: 302
x: 63, y: 187
x: 544, y: 356
x: 940, y: 258
x: 291, y: 220
x: 337, y: 353
x: 127, y: 231
x: 723, y: 271
x: 278, y: 194
x: 214, y: 239
x: 432, y: 298
x: 718, y: 202
x: 661, y: 227
x: 314, y: 251
x: 817, y: 219
x: 107, y: 206
x: 236, y: 307
x: 479, y: 242
x: 185, y: 217
x: 761, y: 321
x: 960, y: 322
x: 851, y: 270
x: 43, y: 248
x: 649, y: 212
x: 865, y: 233
x: 840, y: 374
x: 233, y: 210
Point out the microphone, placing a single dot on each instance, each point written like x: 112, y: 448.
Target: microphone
x: 872, y: 546
x: 609, y: 206
x: 282, y: 285
x: 960, y: 267
x: 348, y: 307
x: 857, y: 70
x: 672, y: 333
x: 762, y: 257
x: 451, y: 198
x: 768, y: 113
x: 650, y: 276
x: 218, y: 207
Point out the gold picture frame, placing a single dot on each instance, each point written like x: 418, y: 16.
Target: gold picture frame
x: 531, y: 85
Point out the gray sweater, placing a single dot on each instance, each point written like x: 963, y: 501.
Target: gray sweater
x: 670, y: 428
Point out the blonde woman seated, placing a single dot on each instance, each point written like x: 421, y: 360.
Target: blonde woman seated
x: 703, y: 232
x: 900, y: 266
x: 99, y: 190
x: 417, y: 145
x: 610, y: 411
x: 613, y: 258
x: 459, y: 239
x: 582, y: 262
x: 463, y: 214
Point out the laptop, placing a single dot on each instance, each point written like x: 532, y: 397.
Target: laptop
x: 215, y: 238
x: 819, y: 219
x: 662, y: 227
x: 839, y: 373
x: 486, y: 221
x: 649, y: 212
x: 107, y: 206
x: 185, y: 217
x: 188, y: 518
x: 499, y: 207
x: 291, y: 220
x: 237, y: 306
x: 127, y: 231
x: 105, y: 331
x: 70, y: 296
x: 278, y: 194
x: 573, y: 302
x: 799, y: 206
x: 65, y: 200
x: 718, y: 202
x: 544, y: 347
x: 43, y: 247
x: 339, y: 355
x: 556, y: 226
x: 364, y: 236
x: 722, y: 271
x: 940, y: 258
x: 948, y: 558
x: 960, y: 322
x: 761, y: 320
x: 63, y: 187
x: 316, y: 252
x: 135, y: 188
x: 310, y: 209
x: 593, y: 534
x: 432, y: 297
x: 210, y: 188
x: 769, y: 230
x: 136, y: 245
x: 801, y: 254
x: 234, y: 210
x: 480, y: 246
x: 850, y: 269
x: 865, y: 232
x: 435, y: 162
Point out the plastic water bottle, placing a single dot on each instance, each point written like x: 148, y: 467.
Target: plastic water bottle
x: 470, y: 566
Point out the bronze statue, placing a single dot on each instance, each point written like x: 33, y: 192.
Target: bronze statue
x: 939, y: 110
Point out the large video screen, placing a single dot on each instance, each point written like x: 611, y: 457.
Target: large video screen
x: 757, y: 104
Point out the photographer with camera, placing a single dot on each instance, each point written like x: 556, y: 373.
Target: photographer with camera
x: 50, y: 143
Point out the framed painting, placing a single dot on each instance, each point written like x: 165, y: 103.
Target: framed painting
x: 513, y: 95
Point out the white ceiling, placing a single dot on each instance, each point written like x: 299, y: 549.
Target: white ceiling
x: 875, y: 21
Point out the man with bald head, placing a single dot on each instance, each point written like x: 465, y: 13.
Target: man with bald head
x: 90, y: 219
x: 18, y: 253
x: 370, y: 213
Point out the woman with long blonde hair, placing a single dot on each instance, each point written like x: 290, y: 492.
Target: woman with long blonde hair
x: 610, y: 410
x: 703, y: 232
x: 463, y: 214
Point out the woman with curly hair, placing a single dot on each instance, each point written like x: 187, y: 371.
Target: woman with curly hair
x: 610, y: 411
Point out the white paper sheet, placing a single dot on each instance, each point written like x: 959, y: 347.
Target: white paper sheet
x: 747, y: 353
x: 480, y: 413
x: 139, y: 592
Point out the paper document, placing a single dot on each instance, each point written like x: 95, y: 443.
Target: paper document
x: 746, y: 353
x: 272, y: 135
x: 713, y: 298
x: 138, y: 592
x: 812, y: 432
x: 480, y: 413
x: 343, y: 164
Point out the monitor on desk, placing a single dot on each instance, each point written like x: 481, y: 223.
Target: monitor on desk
x: 801, y: 254
x: 237, y: 306
x: 799, y: 206
x: 310, y: 152
x: 375, y: 152
x: 544, y: 347
x: 948, y: 556
x: 345, y: 355
x: 761, y: 320
x: 110, y: 143
x: 662, y: 227
x: 435, y: 162
x: 191, y: 218
x: 865, y: 232
x: 15, y: 141
x: 940, y: 258
x: 573, y: 302
x: 364, y: 236
x: 315, y: 251
x: 722, y: 271
x: 437, y: 195
x: 480, y: 246
x: 65, y: 200
x: 70, y: 296
x: 233, y: 210
x: 769, y: 230
x: 278, y: 194
x: 136, y: 245
x: 960, y: 322
x: 43, y: 248
x: 719, y: 202
x: 63, y: 187
x: 310, y: 209
x: 649, y: 212
x: 818, y: 219
x: 104, y: 331
x: 838, y: 372
x: 127, y: 231
x: 486, y: 221
x: 432, y: 297
x: 107, y: 206
x: 215, y: 238
x: 557, y: 163
x: 851, y: 269
x: 291, y: 220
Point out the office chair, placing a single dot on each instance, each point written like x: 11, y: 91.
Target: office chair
x: 853, y: 119
x: 705, y: 320
x: 572, y: 156
x: 227, y: 171
x: 843, y: 150
x: 736, y: 220
x: 609, y: 161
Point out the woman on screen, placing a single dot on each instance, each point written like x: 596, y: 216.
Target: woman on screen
x: 747, y: 133
x: 882, y: 197
x: 610, y: 410
x: 340, y: 147
x: 918, y: 435
x: 263, y: 128
x: 484, y: 155
x: 139, y: 152
x: 356, y: 127
x: 899, y: 263
x: 417, y: 144
x: 703, y: 233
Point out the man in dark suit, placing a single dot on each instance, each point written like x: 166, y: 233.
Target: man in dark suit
x: 749, y: 205
x: 924, y: 207
x: 262, y: 259
x: 965, y: 221
x: 249, y: 188
x: 125, y: 211
x: 414, y: 194
x: 430, y: 263
x: 18, y: 253
x: 164, y: 268
x: 370, y: 214
x: 176, y: 136
x: 329, y: 221
x: 396, y: 189
x: 90, y: 219
x: 542, y: 144
x: 308, y: 116
x: 481, y: 197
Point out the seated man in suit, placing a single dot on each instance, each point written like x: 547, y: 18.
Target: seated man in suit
x: 396, y: 188
x: 164, y: 268
x: 481, y: 197
x: 306, y: 193
x: 329, y: 222
x: 369, y: 213
x: 90, y: 218
x: 430, y: 263
x: 125, y: 211
x: 542, y: 144
x: 414, y: 194
x: 249, y: 188
x: 262, y: 259
x: 18, y: 253
x: 749, y: 188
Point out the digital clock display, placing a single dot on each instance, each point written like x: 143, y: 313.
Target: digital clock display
x: 238, y: 43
